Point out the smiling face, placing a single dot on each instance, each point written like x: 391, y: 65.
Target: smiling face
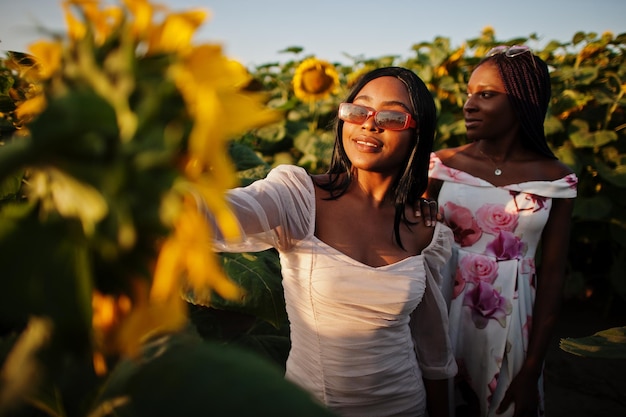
x: 370, y: 147
x: 487, y: 111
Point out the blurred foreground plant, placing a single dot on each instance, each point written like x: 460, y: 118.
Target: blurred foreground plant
x: 122, y: 124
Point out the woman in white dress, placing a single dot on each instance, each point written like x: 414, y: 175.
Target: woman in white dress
x: 361, y: 273
x: 504, y: 195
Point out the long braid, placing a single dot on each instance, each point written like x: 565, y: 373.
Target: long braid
x: 527, y: 82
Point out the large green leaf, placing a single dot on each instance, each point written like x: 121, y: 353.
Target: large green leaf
x: 259, y: 275
x: 45, y: 271
x: 316, y: 148
x: 609, y: 343
x: 615, y: 175
x: 88, y: 129
x: 178, y: 375
x: 10, y: 186
x: 581, y: 137
x: 552, y: 125
x: 244, y: 157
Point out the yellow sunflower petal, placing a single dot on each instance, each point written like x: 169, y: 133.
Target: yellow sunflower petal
x: 48, y: 55
x: 31, y: 107
x: 168, y: 269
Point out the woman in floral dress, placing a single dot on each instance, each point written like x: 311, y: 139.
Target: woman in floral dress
x: 507, y: 198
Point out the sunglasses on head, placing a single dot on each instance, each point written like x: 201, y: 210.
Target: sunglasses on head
x: 384, y: 119
x: 508, y: 51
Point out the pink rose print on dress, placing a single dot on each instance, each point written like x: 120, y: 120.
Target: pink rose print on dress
x: 464, y: 226
x: 493, y: 384
x: 572, y: 180
x: 527, y: 266
x: 486, y: 304
x: 475, y: 268
x: 493, y: 218
x: 506, y: 246
x: 527, y: 327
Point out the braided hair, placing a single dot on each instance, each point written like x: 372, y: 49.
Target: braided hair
x: 527, y: 83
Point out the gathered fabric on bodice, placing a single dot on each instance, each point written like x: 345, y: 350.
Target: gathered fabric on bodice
x: 356, y: 331
x: 491, y: 277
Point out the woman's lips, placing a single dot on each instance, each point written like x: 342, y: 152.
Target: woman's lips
x: 367, y: 144
x: 471, y: 123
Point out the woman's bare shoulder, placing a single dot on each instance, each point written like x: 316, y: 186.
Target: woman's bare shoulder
x: 457, y: 157
x: 547, y: 169
x: 447, y: 153
x: 560, y: 169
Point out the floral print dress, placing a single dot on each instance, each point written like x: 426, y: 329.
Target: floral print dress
x: 492, y: 275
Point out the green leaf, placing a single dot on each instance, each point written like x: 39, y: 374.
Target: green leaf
x: 89, y: 128
x: 316, y: 147
x: 49, y: 400
x: 581, y: 137
x: 259, y: 275
x: 567, y: 155
x: 552, y: 125
x: 45, y: 271
x: 269, y: 139
x: 10, y: 186
x: 6, y: 82
x: 292, y: 49
x: 592, y: 208
x: 610, y: 343
x: 244, y: 157
x: 7, y: 104
x: 586, y: 75
x: 579, y: 37
x: 614, y: 175
x: 178, y: 375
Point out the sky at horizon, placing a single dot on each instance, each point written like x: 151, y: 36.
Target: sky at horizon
x: 254, y: 31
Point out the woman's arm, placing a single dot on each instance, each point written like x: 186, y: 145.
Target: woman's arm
x: 549, y: 292
x: 429, y: 327
x: 437, y: 398
x: 274, y: 212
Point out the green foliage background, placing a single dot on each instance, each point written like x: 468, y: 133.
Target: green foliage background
x: 585, y: 127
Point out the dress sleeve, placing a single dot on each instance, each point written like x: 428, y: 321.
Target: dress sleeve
x: 429, y: 321
x: 276, y: 211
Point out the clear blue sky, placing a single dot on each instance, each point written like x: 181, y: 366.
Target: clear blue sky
x: 254, y: 31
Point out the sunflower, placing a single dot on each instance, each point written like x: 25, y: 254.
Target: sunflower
x: 119, y: 79
x: 315, y: 80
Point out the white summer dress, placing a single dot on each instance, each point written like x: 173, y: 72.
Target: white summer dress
x: 352, y: 326
x: 492, y: 269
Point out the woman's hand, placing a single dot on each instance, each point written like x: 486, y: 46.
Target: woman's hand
x: 428, y: 209
x: 522, y: 394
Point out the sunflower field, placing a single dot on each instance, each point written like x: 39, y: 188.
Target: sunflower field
x: 112, y: 301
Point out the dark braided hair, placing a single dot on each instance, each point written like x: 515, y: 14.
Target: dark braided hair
x: 413, y: 180
x: 527, y: 82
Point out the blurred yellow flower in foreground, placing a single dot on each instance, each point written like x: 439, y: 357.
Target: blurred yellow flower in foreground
x: 48, y: 57
x: 175, y: 106
x: 176, y: 31
x: 101, y: 20
x: 315, y: 79
x: 186, y: 254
